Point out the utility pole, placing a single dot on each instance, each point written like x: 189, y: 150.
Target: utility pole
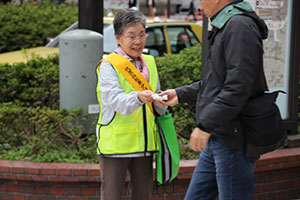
x: 90, y: 15
x: 169, y: 8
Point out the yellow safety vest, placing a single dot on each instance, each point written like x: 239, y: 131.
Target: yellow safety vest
x: 135, y: 133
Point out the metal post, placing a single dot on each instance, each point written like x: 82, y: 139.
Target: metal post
x: 79, y: 52
x: 291, y: 124
x: 90, y: 15
x: 169, y: 8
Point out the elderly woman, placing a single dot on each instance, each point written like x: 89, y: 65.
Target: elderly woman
x: 126, y: 130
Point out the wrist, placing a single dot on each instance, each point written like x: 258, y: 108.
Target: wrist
x: 139, y: 98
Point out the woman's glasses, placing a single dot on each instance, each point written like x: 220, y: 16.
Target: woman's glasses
x: 133, y: 38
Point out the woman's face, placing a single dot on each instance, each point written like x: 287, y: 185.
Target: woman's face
x: 133, y: 40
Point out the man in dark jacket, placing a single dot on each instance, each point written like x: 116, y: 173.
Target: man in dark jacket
x: 232, y: 74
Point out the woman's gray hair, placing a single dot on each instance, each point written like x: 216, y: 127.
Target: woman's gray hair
x: 126, y: 18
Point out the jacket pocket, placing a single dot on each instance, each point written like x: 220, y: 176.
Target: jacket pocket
x: 105, y: 143
x: 126, y: 138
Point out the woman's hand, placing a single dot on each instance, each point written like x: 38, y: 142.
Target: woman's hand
x: 145, y: 96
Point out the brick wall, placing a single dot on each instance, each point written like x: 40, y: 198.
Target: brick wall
x: 277, y: 178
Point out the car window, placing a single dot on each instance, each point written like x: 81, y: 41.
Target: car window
x: 109, y: 40
x: 54, y: 42
x: 181, y: 37
x: 156, y: 43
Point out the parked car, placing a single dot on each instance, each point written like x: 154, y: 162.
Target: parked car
x: 164, y: 36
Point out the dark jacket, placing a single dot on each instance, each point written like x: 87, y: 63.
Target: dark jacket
x: 233, y: 73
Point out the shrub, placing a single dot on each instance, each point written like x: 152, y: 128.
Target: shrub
x: 31, y: 125
x: 44, y: 135
x: 31, y: 84
x: 26, y: 26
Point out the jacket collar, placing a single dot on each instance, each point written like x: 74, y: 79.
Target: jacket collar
x: 231, y: 3
x: 227, y: 12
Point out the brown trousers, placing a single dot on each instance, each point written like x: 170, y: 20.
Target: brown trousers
x: 113, y: 174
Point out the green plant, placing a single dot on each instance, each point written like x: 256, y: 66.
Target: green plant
x: 31, y: 125
x: 44, y: 135
x: 32, y: 84
x: 30, y: 25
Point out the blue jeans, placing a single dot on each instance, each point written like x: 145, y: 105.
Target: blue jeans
x: 222, y: 171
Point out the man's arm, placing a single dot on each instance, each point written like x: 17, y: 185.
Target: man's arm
x: 188, y: 94
x: 182, y: 94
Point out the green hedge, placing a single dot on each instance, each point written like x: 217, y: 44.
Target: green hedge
x: 44, y: 135
x: 26, y: 26
x: 32, y: 84
x: 31, y: 125
x: 33, y: 128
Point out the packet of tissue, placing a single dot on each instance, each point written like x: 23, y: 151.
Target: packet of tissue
x: 156, y: 97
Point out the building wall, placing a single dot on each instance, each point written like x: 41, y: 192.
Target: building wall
x: 277, y: 178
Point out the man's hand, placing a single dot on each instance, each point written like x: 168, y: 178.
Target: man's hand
x: 172, y: 98
x: 199, y: 139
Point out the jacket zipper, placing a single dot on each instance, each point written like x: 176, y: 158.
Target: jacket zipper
x: 145, y: 128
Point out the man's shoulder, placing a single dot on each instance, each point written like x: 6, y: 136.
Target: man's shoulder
x: 239, y: 21
x: 240, y: 26
x: 242, y: 18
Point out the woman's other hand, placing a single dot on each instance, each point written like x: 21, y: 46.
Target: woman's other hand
x: 145, y: 96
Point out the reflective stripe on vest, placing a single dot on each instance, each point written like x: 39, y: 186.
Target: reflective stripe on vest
x: 129, y: 134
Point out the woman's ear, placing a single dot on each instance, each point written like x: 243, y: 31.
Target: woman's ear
x: 118, y: 38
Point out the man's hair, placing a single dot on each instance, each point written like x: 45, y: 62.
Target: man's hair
x: 126, y: 18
